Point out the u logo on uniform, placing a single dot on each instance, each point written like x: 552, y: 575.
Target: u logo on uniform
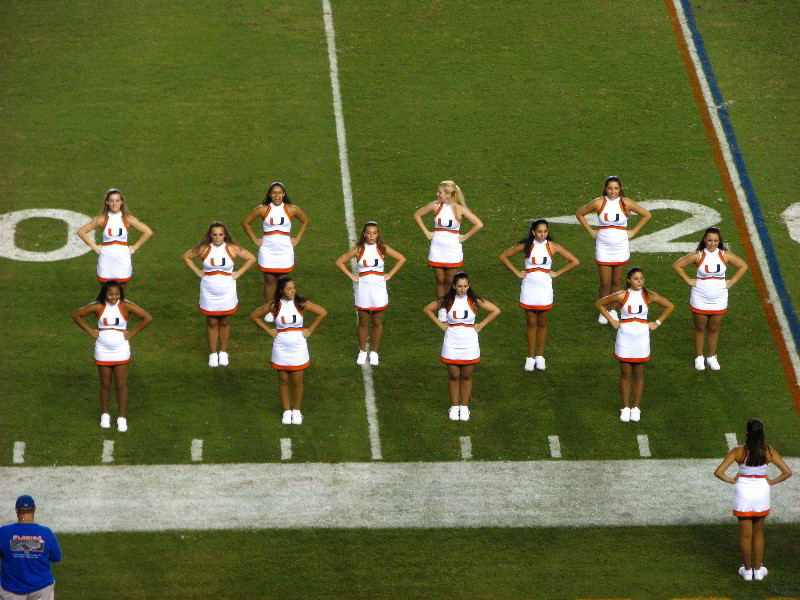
x: 635, y: 312
x: 544, y: 261
x: 294, y: 320
x: 111, y: 232
x: 364, y: 262
x: 105, y: 321
x: 449, y: 223
x: 213, y: 264
x: 272, y: 221
x: 614, y: 220
x: 717, y: 271
x: 455, y: 315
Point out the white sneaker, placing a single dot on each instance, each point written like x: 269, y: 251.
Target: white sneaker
x: 625, y: 415
x: 530, y: 365
x: 286, y: 419
x: 540, y: 363
x: 213, y: 360
x: 700, y: 363
x: 297, y: 418
x: 713, y: 363
x: 373, y: 359
x: 759, y: 574
x: 636, y: 414
x: 454, y: 413
x: 223, y: 359
x: 602, y: 320
x: 464, y: 413
x: 269, y: 318
x: 443, y: 315
x: 122, y: 424
x: 362, y: 358
x: 746, y: 574
x: 613, y: 314
x: 105, y: 420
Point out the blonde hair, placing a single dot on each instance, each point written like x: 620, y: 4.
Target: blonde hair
x: 123, y: 208
x: 453, y: 191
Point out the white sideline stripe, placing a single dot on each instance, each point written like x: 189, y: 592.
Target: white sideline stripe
x: 385, y: 495
x: 774, y: 299
x: 466, y: 447
x: 350, y: 220
x: 108, y: 451
x: 731, y: 439
x: 197, y: 450
x: 286, y: 449
x: 19, y: 453
x: 644, y: 445
x: 555, y: 446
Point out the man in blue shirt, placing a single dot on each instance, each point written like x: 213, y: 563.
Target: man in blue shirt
x: 26, y: 551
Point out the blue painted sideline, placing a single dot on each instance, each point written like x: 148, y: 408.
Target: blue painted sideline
x: 752, y: 200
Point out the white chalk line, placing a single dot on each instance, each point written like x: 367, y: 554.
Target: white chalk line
x: 108, y: 451
x: 18, y: 456
x: 730, y: 439
x: 644, y: 445
x: 350, y: 220
x: 385, y: 495
x: 286, y: 449
x: 741, y: 197
x: 466, y: 447
x: 555, y: 446
x: 197, y: 450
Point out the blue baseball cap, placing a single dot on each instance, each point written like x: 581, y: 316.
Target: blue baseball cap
x: 25, y: 503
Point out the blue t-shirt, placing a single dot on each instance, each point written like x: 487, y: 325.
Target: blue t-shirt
x: 26, y: 551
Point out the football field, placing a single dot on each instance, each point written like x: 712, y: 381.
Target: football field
x: 361, y: 107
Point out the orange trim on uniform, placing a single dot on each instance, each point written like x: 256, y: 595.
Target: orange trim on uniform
x: 117, y: 243
x: 111, y: 329
x: 708, y: 312
x: 537, y: 269
x: 612, y: 227
x: 622, y: 206
x: 602, y: 206
x: 372, y: 309
x: 625, y: 298
x: 105, y: 221
x: 208, y: 251
x: 446, y: 265
x: 445, y: 229
x: 117, y: 279
x: 549, y: 249
x: 610, y: 264
x: 441, y: 204
x: 122, y: 310
x: 534, y: 307
x: 472, y: 305
x: 633, y: 320
x: 707, y: 278
x: 702, y: 258
x: 289, y: 367
x: 290, y: 329
x: 111, y: 363
x: 228, y: 250
x: 753, y: 476
x: 277, y: 233
x: 632, y: 360
x: 219, y: 313
x: 363, y: 273
x: 751, y: 513
x: 461, y: 325
x: 217, y: 273
x: 271, y: 270
x: 452, y: 361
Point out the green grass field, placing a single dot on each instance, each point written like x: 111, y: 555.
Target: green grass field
x: 193, y: 108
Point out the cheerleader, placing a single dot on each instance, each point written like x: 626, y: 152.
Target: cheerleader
x: 536, y: 295
x: 218, y: 300
x: 289, y: 349
x: 112, y: 350
x: 709, y: 298
x: 751, y: 494
x: 460, y: 349
x: 114, y: 255
x: 612, y: 247
x: 371, y: 296
x: 276, y: 245
x: 632, y: 348
x: 445, y: 254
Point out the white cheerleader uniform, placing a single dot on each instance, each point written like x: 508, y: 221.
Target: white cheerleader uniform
x: 371, y: 292
x: 218, y: 287
x: 537, y: 286
x: 612, y: 246
x: 289, y: 349
x: 751, y: 490
x: 111, y: 348
x: 460, y: 346
x: 710, y: 294
x: 633, y: 335
x: 276, y: 254
x: 114, y: 260
x: 445, y: 250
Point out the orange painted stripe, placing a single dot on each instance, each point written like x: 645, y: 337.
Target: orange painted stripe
x: 738, y: 216
x: 289, y: 367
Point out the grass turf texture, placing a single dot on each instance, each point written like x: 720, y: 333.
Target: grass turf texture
x: 647, y: 563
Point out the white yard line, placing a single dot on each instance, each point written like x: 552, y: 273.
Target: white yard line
x: 19, y: 453
x: 644, y: 445
x: 197, y: 450
x: 555, y: 446
x: 755, y: 239
x: 730, y: 438
x: 108, y: 451
x: 466, y: 447
x: 347, y: 191
x: 286, y: 449
x: 376, y: 494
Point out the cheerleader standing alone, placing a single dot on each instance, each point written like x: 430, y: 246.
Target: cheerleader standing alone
x: 114, y: 255
x: 709, y: 298
x: 632, y: 348
x: 290, y: 355
x: 112, y: 350
x: 446, y: 254
x: 751, y: 494
x: 218, y: 299
x: 460, y: 349
x: 371, y: 296
x: 612, y: 247
x: 536, y: 295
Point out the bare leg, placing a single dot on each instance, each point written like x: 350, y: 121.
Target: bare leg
x: 224, y: 332
x: 714, y: 324
x: 700, y: 325
x: 616, y: 278
x: 638, y: 383
x: 212, y: 332
x: 530, y: 331
x: 439, y: 278
x: 465, y: 385
x: 541, y: 330
x: 296, y: 379
x: 105, y: 385
x: 758, y: 541
x: 449, y: 274
x: 746, y: 540
x: 121, y: 382
x: 270, y: 283
x: 604, y: 289
x: 453, y: 387
x: 625, y: 371
x: 283, y: 388
x: 362, y: 330
x: 377, y: 329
